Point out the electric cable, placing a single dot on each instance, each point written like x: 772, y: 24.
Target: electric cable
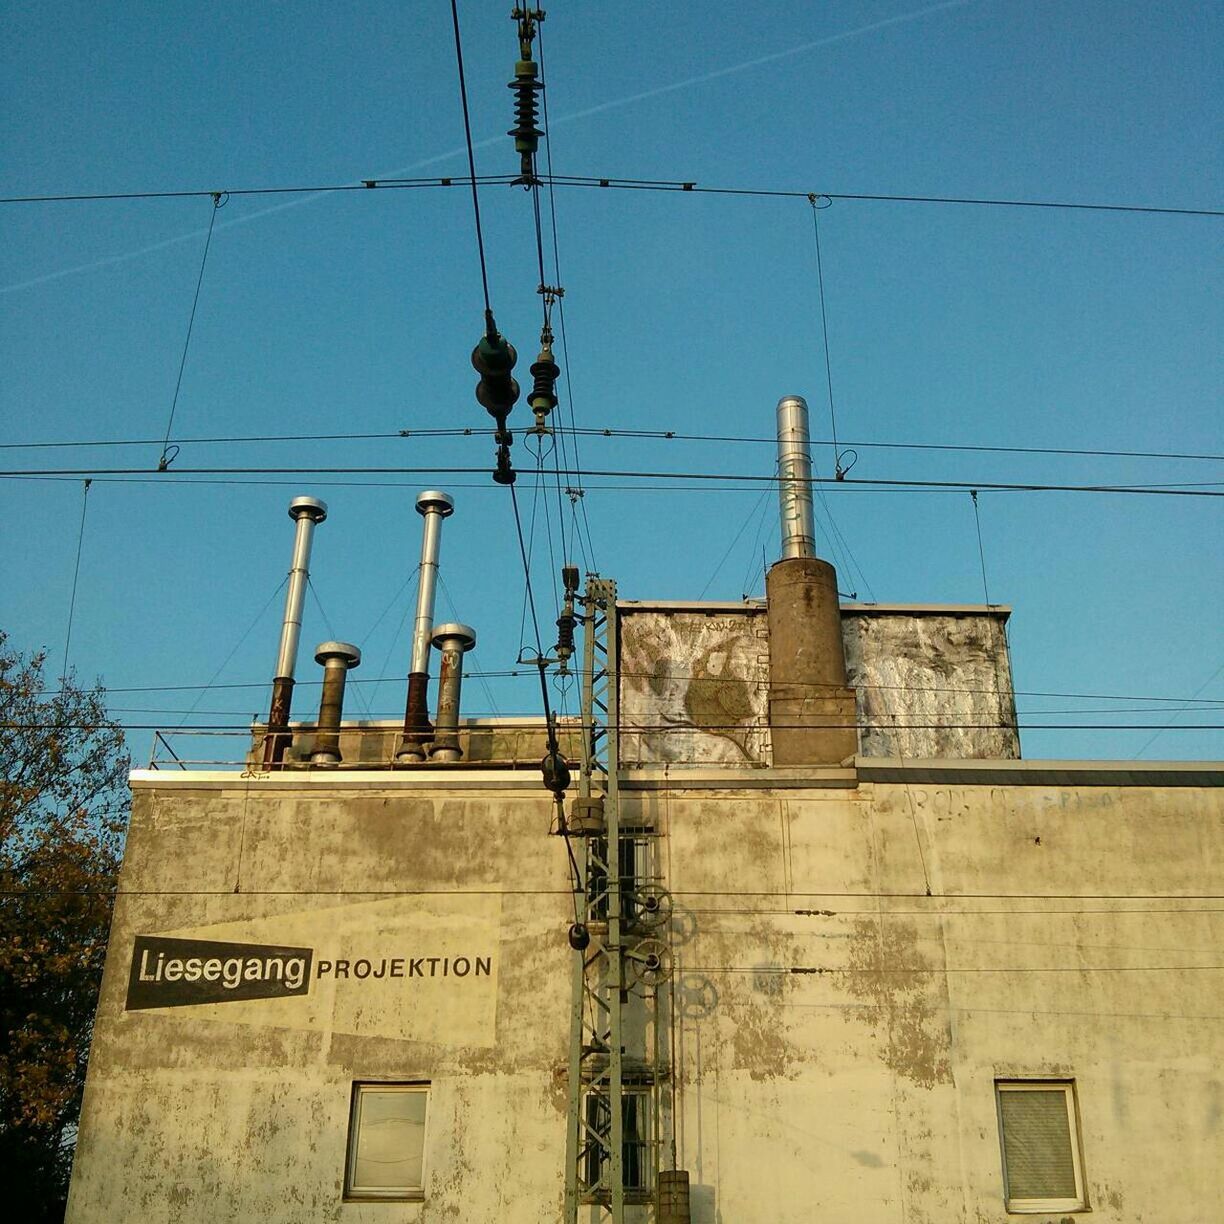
x: 973, y: 493
x: 824, y: 331
x: 1169, y: 725
x: 218, y: 201
x: 76, y: 573
x: 1201, y: 489
x: 595, y: 432
x: 600, y: 181
x: 1211, y: 702
x: 471, y: 155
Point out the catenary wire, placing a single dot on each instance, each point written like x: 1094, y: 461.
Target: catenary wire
x: 471, y: 156
x: 1210, y: 702
x: 1202, y: 489
x: 599, y: 181
x: 667, y: 435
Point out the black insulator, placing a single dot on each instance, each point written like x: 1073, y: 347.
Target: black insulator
x: 565, y: 633
x: 526, y: 90
x: 556, y: 773
x: 493, y: 359
x: 544, y: 370
x: 503, y: 473
x: 579, y: 937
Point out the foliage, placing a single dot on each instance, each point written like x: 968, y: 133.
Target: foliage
x: 63, y: 806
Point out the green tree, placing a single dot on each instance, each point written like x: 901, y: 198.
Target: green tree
x: 63, y: 809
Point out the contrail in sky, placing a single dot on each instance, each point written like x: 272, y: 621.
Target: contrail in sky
x: 629, y: 100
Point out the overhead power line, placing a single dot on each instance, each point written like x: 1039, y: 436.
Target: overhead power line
x: 682, y: 186
x: 667, y: 435
x: 1206, y: 489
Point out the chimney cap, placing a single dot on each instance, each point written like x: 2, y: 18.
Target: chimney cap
x: 308, y: 507
x: 436, y: 500
x: 465, y: 635
x: 349, y: 654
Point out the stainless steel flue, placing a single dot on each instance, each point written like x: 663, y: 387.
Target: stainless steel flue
x: 452, y: 641
x: 433, y: 505
x: 307, y: 513
x: 338, y: 659
x: 795, y: 478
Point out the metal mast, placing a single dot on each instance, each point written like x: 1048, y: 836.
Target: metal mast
x: 613, y: 1138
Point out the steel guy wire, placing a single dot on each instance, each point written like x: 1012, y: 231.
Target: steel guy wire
x: 76, y: 573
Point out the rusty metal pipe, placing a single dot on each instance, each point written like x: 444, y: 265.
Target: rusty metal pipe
x: 452, y: 641
x: 307, y: 513
x: 433, y: 505
x: 338, y: 659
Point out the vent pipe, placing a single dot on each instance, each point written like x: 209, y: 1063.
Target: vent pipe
x: 811, y: 709
x: 307, y: 513
x: 338, y: 659
x: 452, y: 642
x: 795, y: 478
x: 433, y: 505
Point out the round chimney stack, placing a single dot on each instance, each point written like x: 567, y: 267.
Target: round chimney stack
x: 452, y: 641
x: 338, y: 659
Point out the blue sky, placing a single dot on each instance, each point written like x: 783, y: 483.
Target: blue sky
x: 356, y: 313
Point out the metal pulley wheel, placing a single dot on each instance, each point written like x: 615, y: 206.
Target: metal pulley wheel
x: 649, y: 962
x: 652, y: 906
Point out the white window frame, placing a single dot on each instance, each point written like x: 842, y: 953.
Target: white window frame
x: 1036, y: 1205
x: 355, y: 1192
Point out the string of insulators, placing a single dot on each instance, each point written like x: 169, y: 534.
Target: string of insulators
x: 526, y: 86
x: 493, y: 359
x: 567, y: 620
x: 544, y: 370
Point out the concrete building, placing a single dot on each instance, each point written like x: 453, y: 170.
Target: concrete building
x: 836, y: 952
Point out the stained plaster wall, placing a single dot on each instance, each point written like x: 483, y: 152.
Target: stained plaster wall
x: 239, y: 1110
x: 694, y: 683
x: 860, y: 1089
x: 1062, y: 937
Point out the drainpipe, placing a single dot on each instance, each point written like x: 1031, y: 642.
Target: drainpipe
x: 811, y: 709
x: 337, y: 658
x: 307, y: 513
x: 433, y: 505
x: 452, y: 641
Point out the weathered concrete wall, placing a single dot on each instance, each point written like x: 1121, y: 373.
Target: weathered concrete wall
x: 694, y: 687
x: 238, y: 1110
x: 485, y: 741
x: 839, y: 1030
x: 929, y: 683
x: 932, y: 685
x: 855, y: 965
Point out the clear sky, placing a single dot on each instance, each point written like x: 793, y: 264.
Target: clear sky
x: 355, y: 313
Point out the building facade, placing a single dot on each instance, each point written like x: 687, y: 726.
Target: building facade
x: 930, y: 982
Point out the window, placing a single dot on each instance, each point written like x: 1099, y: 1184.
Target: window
x: 635, y: 1142
x: 1040, y: 1138
x: 386, y: 1148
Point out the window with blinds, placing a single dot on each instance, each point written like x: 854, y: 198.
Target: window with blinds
x: 1041, y: 1157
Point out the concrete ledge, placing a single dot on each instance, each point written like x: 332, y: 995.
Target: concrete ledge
x: 1042, y: 773
x: 525, y: 781
x: 712, y: 777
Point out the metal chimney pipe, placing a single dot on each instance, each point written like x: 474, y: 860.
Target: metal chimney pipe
x: 338, y: 658
x: 307, y: 513
x: 453, y: 641
x: 795, y: 478
x: 433, y: 505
